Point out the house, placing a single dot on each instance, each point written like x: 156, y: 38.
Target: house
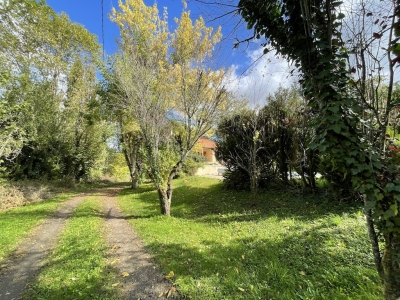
x: 208, y: 149
x: 212, y: 168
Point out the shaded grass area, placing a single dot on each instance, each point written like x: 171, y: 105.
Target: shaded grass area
x: 221, y: 245
x: 17, y: 223
x: 77, y: 269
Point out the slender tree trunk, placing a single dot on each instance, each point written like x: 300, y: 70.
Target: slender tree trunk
x: 254, y: 187
x: 391, y: 266
x: 312, y: 172
x: 374, y: 241
x: 130, y: 158
x: 388, y: 264
x: 254, y: 170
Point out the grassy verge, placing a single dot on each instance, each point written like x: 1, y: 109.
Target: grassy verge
x: 77, y: 269
x: 220, y: 245
x: 16, y: 224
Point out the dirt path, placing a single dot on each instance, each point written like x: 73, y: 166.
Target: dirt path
x: 139, y: 277
x: 19, y: 270
x: 145, y: 280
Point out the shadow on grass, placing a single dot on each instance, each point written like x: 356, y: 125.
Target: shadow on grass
x: 109, y: 215
x: 296, y: 266
x: 213, y: 203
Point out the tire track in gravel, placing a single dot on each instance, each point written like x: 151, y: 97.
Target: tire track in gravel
x: 21, y: 268
x: 143, y: 279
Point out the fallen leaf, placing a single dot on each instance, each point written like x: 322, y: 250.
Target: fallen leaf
x: 302, y: 273
x: 240, y: 289
x: 170, y: 275
x: 125, y: 274
x: 170, y: 292
x: 116, y: 247
x: 115, y: 284
x: 160, y: 295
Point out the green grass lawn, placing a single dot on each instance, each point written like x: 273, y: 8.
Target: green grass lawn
x: 78, y: 268
x: 16, y: 224
x: 222, y: 246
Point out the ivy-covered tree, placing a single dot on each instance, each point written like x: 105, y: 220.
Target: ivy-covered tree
x: 308, y: 32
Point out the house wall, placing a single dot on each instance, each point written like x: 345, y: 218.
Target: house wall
x: 215, y: 170
x: 209, y: 155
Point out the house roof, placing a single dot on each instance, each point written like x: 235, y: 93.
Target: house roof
x: 207, y: 143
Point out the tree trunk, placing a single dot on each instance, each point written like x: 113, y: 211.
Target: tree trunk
x: 165, y: 201
x: 135, y: 174
x: 391, y: 266
x: 130, y: 158
x: 165, y: 195
x: 134, y: 182
x: 375, y: 244
x: 254, y: 187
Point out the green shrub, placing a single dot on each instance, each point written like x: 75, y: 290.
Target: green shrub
x: 192, y: 163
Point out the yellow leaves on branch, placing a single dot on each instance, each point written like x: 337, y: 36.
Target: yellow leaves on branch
x: 193, y: 41
x: 141, y: 25
x: 202, y: 85
x: 137, y: 15
x: 176, y: 64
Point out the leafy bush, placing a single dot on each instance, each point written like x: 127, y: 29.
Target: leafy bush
x: 117, y: 168
x: 192, y: 163
x: 265, y: 146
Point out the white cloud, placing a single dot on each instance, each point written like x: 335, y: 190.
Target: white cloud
x: 264, y: 77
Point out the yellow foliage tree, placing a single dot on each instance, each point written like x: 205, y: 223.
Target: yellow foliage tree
x: 167, y: 77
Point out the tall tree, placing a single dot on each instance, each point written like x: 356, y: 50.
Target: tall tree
x: 308, y: 32
x: 160, y: 88
x: 44, y: 54
x: 129, y: 134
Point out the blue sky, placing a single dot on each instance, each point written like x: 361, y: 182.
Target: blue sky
x: 258, y: 79
x: 89, y: 14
